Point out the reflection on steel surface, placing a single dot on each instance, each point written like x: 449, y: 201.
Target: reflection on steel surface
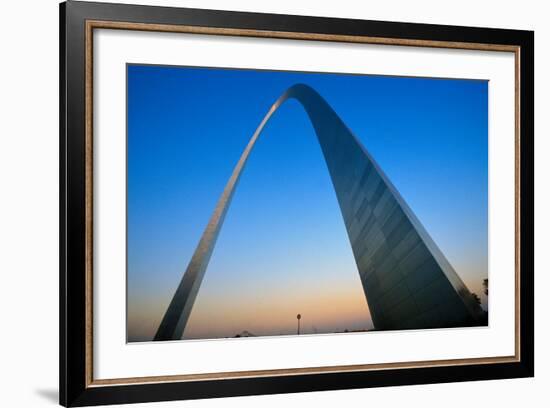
x: 408, y: 282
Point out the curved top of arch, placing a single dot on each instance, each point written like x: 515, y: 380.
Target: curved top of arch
x: 384, y: 233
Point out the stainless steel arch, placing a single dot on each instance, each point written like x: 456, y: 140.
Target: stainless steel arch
x: 406, y: 279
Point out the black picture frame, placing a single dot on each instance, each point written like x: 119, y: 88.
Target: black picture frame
x: 76, y: 388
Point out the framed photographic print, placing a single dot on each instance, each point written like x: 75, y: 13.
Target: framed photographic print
x: 255, y: 203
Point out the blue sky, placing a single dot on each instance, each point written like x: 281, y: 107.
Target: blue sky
x: 283, y: 248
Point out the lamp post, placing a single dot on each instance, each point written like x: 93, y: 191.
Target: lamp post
x: 298, y: 316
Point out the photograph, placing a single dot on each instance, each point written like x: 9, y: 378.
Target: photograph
x: 285, y: 203
x: 255, y: 203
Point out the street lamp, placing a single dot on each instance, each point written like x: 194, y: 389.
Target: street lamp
x: 298, y: 316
